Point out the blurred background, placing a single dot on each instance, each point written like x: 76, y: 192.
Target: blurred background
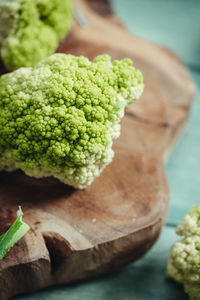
x: 176, y: 25
x: 172, y: 23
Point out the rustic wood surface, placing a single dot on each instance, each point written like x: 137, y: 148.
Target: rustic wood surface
x: 79, y: 234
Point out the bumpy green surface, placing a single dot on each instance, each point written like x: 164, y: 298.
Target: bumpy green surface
x: 184, y: 265
x: 60, y: 117
x: 30, y: 30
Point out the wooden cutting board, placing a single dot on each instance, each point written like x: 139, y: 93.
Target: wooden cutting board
x: 79, y: 234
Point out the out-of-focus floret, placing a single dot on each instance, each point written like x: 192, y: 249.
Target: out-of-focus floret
x: 30, y: 30
x: 184, y: 264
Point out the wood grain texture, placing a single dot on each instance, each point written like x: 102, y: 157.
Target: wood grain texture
x: 76, y: 234
x: 80, y: 234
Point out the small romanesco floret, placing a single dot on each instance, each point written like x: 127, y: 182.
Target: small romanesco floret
x: 30, y: 30
x: 60, y: 117
x: 184, y: 264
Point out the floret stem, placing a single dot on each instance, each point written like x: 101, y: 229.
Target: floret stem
x: 13, y: 234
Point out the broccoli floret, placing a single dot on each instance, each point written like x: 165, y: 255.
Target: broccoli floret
x: 184, y: 264
x: 60, y: 117
x: 30, y: 30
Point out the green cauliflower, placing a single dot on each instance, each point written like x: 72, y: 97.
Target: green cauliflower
x: 60, y: 117
x: 184, y: 264
x: 30, y: 30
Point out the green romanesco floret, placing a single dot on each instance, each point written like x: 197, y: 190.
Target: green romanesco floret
x: 184, y: 264
x: 60, y: 117
x: 30, y: 30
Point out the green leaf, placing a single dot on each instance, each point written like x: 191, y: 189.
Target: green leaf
x: 13, y: 235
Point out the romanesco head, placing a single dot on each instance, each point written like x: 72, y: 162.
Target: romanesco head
x: 184, y: 264
x: 60, y: 117
x: 30, y: 30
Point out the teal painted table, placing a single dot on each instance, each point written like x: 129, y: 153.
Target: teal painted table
x: 175, y: 24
